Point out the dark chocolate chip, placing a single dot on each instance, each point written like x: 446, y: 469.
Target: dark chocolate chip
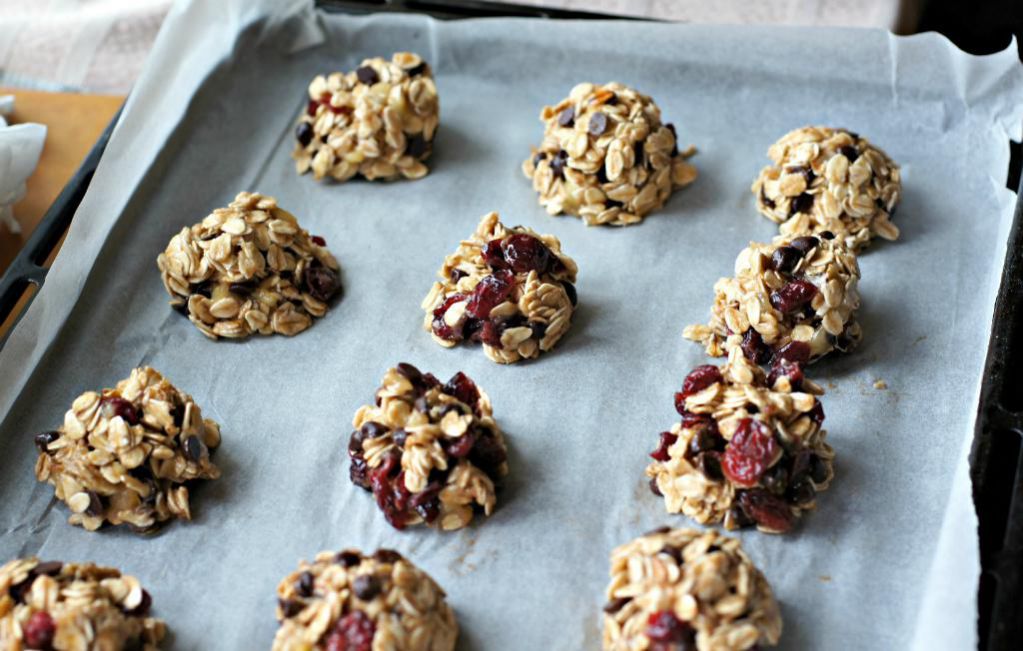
x: 416, y: 146
x: 304, y: 584
x: 366, y: 587
x: 290, y: 607
x: 558, y: 163
x: 573, y: 297
x: 785, y: 258
x: 654, y: 488
x: 674, y: 137
x: 194, y: 448
x: 673, y: 552
x: 617, y: 604
x: 828, y: 235
x: 348, y: 558
x: 567, y: 117
x: 598, y: 124
x: 417, y: 69
x: 850, y: 152
x: 802, y: 203
x: 44, y: 439
x: 538, y: 156
x: 367, y: 75
x: 387, y: 556
x: 304, y: 133
x: 95, y: 508
x: 373, y: 429
x: 142, y: 609
x: 399, y: 436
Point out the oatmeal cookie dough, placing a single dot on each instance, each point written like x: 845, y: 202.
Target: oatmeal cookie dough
x: 510, y: 289
x: 126, y: 455
x: 429, y: 452
x: 378, y: 121
x: 249, y: 269
x: 749, y: 449
x: 685, y: 589
x: 801, y: 289
x: 68, y: 606
x: 351, y: 602
x: 830, y: 180
x: 606, y: 157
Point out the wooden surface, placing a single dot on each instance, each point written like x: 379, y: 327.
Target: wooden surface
x: 73, y: 124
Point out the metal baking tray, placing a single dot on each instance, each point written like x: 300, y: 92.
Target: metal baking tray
x: 996, y: 460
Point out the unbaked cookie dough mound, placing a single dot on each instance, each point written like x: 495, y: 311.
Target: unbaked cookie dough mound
x: 796, y: 289
x: 127, y: 455
x: 606, y: 157
x: 377, y: 121
x: 351, y: 602
x: 830, y: 180
x: 55, y: 606
x: 675, y: 589
x: 510, y: 289
x: 430, y: 452
x: 749, y: 449
x: 249, y: 269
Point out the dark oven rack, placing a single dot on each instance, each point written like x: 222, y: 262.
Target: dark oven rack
x: 996, y: 460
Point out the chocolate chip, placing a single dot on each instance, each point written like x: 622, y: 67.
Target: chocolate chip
x: 658, y: 530
x: 769, y: 203
x: 304, y: 133
x: 567, y: 117
x: 372, y: 430
x: 366, y: 587
x: 598, y: 124
x: 399, y: 437
x: 242, y: 289
x: 611, y: 203
x: 180, y: 308
x: 615, y: 605
x: 558, y: 163
x: 538, y: 156
x: 611, y: 101
x: 573, y: 297
x: 654, y: 488
x: 416, y: 146
x: 410, y: 373
x: 637, y: 151
x: 290, y: 607
x: 205, y: 288
x: 601, y: 174
x: 785, y: 258
x: 805, y: 243
x: 367, y: 75
x: 818, y: 470
x: 193, y: 448
x: 674, y: 137
x: 142, y: 609
x: 802, y: 203
x: 417, y: 69
x: 805, y: 171
x: 709, y: 464
x: 95, y: 508
x: 739, y: 517
x: 850, y: 152
x: 304, y: 584
x: 387, y: 556
x: 801, y: 493
x: 421, y: 405
x: 828, y: 235
x: 44, y: 439
x: 348, y: 558
x: 673, y: 552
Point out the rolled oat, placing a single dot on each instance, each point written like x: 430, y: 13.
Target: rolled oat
x: 74, y: 607
x: 510, y: 289
x: 606, y: 157
x: 126, y: 455
x: 830, y: 180
x: 378, y: 121
x: 796, y: 289
x: 249, y: 269
x: 687, y: 589
x: 429, y: 452
x: 749, y: 449
x: 352, y: 602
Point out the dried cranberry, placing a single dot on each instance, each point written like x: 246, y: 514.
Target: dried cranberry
x: 754, y: 348
x: 794, y: 351
x: 654, y: 488
x: 44, y: 439
x: 750, y: 452
x: 461, y: 446
x: 664, y: 627
x: 117, y: 406
x: 709, y: 463
x: 567, y: 117
x: 667, y: 440
x: 490, y: 333
x: 802, y: 203
x: 488, y: 454
x: 304, y: 133
x: 817, y: 413
x: 700, y: 378
x: 785, y: 259
x: 367, y: 75
x: 318, y: 241
x: 389, y: 490
x: 526, y: 253
x: 767, y: 510
x: 348, y: 558
x: 353, y: 632
x: 782, y: 367
x: 493, y: 254
x: 358, y: 472
x: 442, y: 329
x: 290, y: 607
x: 490, y: 292
x: 793, y: 296
x: 462, y: 388
x: 801, y: 493
x: 694, y: 421
x: 39, y: 631
x: 320, y: 282
x: 704, y: 440
x: 311, y: 107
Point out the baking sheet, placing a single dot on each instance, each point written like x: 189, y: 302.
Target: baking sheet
x: 890, y: 559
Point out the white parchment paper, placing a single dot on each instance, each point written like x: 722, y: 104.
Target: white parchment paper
x: 890, y: 559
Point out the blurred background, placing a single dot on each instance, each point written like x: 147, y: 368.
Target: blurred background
x: 69, y: 63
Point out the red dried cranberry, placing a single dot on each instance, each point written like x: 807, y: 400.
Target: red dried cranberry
x: 490, y: 333
x: 801, y: 493
x: 817, y: 413
x: 461, y: 446
x: 310, y: 108
x: 487, y: 454
x: 794, y: 351
x: 754, y: 348
x: 785, y: 259
x: 667, y: 440
x: 750, y: 452
x: 117, y: 406
x: 700, y: 378
x: 784, y: 368
x: 354, y: 632
x: 318, y: 241
x: 389, y: 490
x: 694, y: 421
x: 664, y: 627
x: 526, y: 253
x: 442, y: 329
x: 39, y: 631
x: 462, y: 388
x: 793, y: 296
x: 320, y: 282
x: 490, y: 292
x: 493, y: 254
x: 767, y: 510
